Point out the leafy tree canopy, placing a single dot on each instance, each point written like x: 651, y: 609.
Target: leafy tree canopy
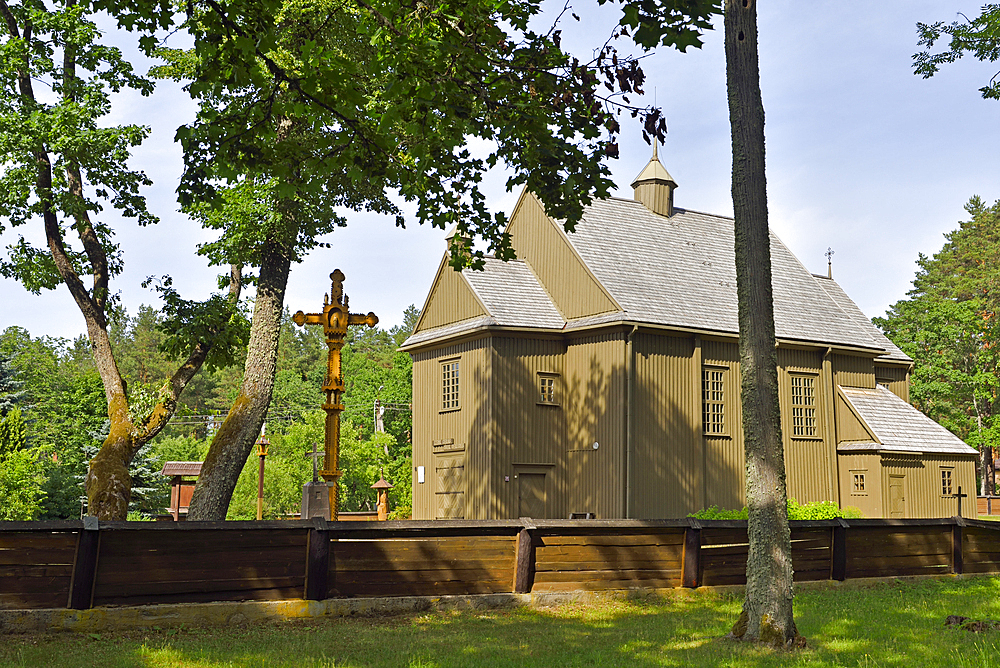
x: 948, y: 324
x: 979, y: 36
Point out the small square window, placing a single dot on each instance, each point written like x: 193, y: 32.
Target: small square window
x: 449, y: 385
x: 547, y: 388
x: 946, y: 489
x: 859, y: 483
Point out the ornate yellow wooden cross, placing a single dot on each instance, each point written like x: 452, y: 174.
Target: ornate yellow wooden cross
x: 335, y: 319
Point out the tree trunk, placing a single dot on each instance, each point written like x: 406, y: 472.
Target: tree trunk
x: 108, y: 483
x: 235, y: 439
x: 767, y: 608
x: 991, y: 472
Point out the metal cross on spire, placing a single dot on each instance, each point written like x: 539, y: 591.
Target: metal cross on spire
x: 829, y: 262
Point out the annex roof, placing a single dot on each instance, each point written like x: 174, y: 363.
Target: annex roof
x: 513, y: 296
x: 899, y: 426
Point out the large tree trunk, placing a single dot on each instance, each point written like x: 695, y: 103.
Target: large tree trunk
x: 767, y: 608
x: 235, y: 439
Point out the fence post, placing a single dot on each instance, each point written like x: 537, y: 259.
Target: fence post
x: 524, y: 558
x: 957, y: 558
x: 691, y: 566
x: 81, y: 586
x: 317, y: 561
x: 838, y: 552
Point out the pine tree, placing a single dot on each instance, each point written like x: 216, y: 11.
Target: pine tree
x: 950, y: 325
x: 12, y: 390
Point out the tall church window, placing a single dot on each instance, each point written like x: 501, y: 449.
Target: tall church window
x: 805, y: 420
x: 946, y: 488
x: 713, y: 400
x: 449, y: 385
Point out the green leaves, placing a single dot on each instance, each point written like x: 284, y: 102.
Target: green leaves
x: 187, y: 324
x: 674, y: 23
x: 949, y: 326
x: 46, y: 138
x: 979, y: 37
x: 335, y: 102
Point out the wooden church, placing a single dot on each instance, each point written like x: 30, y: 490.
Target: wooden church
x: 598, y: 375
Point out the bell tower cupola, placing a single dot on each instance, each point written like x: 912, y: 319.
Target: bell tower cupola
x: 654, y: 187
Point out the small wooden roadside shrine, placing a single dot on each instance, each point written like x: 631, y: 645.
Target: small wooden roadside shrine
x: 184, y: 476
x: 335, y: 319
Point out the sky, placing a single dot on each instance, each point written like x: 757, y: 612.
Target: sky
x: 862, y: 157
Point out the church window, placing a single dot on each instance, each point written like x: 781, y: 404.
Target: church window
x: 805, y: 421
x: 449, y: 385
x: 946, y: 489
x: 713, y: 394
x: 859, y: 483
x: 547, y: 388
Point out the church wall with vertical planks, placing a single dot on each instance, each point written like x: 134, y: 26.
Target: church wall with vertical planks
x: 667, y: 464
x: 725, y: 472
x: 595, y: 413
x: 453, y: 434
x: 810, y: 460
x: 530, y: 434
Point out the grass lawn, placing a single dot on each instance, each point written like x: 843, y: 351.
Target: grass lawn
x: 885, y: 624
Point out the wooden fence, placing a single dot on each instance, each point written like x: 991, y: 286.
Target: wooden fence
x: 988, y: 505
x: 84, y: 564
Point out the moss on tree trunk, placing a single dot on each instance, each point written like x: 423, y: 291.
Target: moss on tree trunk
x: 232, y: 444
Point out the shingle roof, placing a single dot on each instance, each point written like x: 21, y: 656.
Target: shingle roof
x: 451, y: 329
x: 513, y: 296
x: 676, y: 272
x: 900, y: 426
x: 848, y: 306
x: 681, y: 271
x: 181, y: 468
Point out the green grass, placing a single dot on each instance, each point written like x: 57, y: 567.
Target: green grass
x: 886, y: 624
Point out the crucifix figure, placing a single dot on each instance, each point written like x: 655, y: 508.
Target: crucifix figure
x: 335, y: 319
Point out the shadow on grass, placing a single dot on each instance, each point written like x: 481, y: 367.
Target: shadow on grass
x: 886, y: 624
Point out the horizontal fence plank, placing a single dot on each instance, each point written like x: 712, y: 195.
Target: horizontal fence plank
x: 53, y: 598
x: 430, y: 588
x: 25, y: 540
x: 603, y: 564
x: 672, y: 538
x: 625, y: 575
x: 603, y: 585
x: 126, y: 589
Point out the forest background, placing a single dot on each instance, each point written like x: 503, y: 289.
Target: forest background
x: 54, y: 418
x: 53, y: 413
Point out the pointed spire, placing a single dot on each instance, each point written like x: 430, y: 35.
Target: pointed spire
x: 654, y: 186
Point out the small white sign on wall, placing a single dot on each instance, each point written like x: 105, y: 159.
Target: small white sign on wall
x: 420, y: 474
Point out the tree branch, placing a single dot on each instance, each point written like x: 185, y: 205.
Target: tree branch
x: 173, y: 388
x: 9, y: 19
